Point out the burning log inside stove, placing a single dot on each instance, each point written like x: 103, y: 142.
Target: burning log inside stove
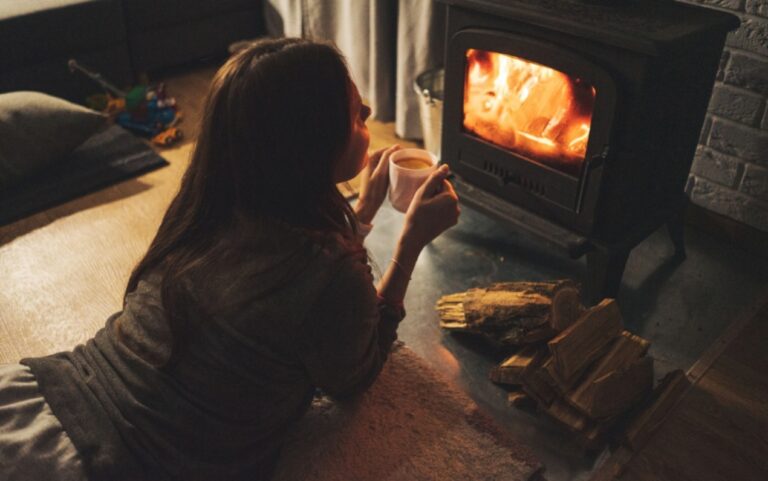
x: 530, y: 109
x: 586, y: 377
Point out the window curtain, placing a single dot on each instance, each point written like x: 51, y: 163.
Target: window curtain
x: 387, y: 43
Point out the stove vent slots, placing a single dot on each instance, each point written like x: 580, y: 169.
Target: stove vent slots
x: 505, y: 176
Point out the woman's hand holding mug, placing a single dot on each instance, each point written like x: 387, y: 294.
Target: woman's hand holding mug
x: 374, y: 183
x: 434, y: 209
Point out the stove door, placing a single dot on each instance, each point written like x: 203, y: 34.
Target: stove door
x: 528, y: 121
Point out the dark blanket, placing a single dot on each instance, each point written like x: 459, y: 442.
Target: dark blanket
x: 106, y: 158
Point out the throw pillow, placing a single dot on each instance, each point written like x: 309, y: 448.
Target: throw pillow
x: 38, y: 131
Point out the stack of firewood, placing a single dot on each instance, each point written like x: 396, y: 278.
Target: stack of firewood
x: 577, y: 365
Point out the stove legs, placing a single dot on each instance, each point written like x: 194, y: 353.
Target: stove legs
x: 605, y: 266
x: 606, y: 262
x: 675, y: 228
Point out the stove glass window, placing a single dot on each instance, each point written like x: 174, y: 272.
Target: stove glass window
x: 532, y: 110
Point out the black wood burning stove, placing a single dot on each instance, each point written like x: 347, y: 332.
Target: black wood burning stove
x: 578, y: 121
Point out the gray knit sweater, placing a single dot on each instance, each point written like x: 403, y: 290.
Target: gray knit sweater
x: 275, y: 317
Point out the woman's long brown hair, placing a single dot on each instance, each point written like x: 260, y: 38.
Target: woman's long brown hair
x: 276, y: 119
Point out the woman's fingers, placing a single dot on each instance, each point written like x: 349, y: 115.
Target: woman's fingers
x: 384, y: 158
x: 376, y: 154
x: 374, y: 183
x: 392, y: 148
x: 447, y: 198
x: 448, y: 188
x: 434, y: 183
x: 374, y: 159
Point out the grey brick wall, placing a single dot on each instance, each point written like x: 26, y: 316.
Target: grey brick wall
x: 730, y: 170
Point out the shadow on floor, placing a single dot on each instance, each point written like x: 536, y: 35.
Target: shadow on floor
x: 93, y: 199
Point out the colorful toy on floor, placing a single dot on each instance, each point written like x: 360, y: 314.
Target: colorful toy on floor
x: 145, y: 110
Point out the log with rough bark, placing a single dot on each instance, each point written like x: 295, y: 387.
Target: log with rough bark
x: 577, y: 347
x: 513, y: 313
x: 510, y: 371
x: 624, y: 351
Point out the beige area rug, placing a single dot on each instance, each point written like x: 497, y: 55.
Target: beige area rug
x: 412, y: 425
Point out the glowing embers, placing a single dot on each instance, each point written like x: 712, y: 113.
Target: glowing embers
x: 533, y: 110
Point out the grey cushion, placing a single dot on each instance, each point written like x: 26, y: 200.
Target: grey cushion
x: 107, y: 157
x: 37, y: 130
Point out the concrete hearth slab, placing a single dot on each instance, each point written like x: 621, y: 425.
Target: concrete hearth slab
x: 681, y: 307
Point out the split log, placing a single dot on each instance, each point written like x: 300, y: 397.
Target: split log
x: 670, y: 389
x: 513, y: 313
x: 549, y: 375
x: 563, y: 385
x: 593, y: 436
x: 521, y: 400
x: 619, y: 390
x: 535, y: 382
x: 510, y: 371
x: 624, y: 351
x: 567, y: 415
x: 586, y: 340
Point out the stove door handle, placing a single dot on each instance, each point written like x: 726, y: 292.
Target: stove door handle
x: 598, y: 160
x: 593, y: 163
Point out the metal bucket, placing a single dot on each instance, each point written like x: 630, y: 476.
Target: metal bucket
x: 429, y: 87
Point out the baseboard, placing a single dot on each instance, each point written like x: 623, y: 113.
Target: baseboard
x: 734, y: 232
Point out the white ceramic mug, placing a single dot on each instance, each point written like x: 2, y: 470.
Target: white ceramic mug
x: 405, y: 181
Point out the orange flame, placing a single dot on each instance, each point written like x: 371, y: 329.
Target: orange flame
x: 536, y: 111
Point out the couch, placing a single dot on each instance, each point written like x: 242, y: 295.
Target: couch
x: 119, y: 39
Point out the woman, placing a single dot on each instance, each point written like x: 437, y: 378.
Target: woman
x: 254, y: 292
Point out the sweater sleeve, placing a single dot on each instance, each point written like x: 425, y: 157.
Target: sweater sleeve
x: 349, y: 333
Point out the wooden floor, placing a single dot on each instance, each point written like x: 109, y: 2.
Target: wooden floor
x: 718, y: 429
x: 64, y: 270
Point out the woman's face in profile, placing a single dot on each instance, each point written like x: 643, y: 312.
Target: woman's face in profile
x: 355, y: 156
